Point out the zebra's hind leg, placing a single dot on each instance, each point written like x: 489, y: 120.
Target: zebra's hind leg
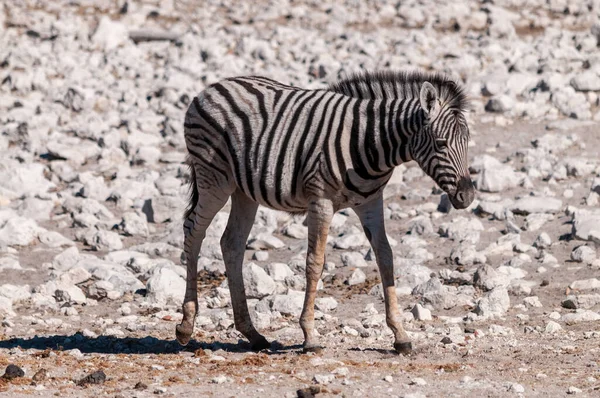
x: 207, y: 205
x: 371, y: 218
x: 233, y: 246
x: 320, y: 213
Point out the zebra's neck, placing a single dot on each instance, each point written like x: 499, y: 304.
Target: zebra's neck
x: 387, y: 129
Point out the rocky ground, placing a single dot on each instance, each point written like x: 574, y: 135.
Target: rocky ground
x: 501, y: 299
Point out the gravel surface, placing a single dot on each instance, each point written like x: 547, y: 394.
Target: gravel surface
x: 501, y: 299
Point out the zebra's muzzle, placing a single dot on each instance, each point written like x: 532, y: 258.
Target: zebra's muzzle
x: 465, y: 193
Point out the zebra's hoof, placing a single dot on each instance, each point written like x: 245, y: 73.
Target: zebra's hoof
x: 317, y: 349
x: 261, y: 344
x: 183, y: 333
x: 404, y: 348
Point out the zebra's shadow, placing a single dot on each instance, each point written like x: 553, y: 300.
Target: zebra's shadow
x: 130, y: 345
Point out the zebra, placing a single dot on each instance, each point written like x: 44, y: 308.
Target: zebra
x: 314, y: 152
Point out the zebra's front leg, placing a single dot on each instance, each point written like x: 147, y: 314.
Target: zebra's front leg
x: 320, y: 213
x: 371, y: 218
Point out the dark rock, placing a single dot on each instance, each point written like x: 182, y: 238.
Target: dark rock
x: 97, y: 377
x: 446, y: 340
x: 40, y: 375
x: 308, y: 392
x: 12, y: 372
x: 140, y: 386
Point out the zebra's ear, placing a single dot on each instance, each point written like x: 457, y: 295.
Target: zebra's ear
x: 429, y: 100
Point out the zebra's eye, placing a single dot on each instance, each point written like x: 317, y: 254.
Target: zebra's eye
x: 441, y: 143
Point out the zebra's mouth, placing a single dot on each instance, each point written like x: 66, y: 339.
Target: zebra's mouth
x: 463, y: 194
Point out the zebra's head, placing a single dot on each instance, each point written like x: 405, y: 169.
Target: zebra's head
x: 440, y: 147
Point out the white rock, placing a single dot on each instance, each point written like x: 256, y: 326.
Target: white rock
x: 265, y: 241
x: 532, y: 301
x: 257, y: 282
x: 462, y: 229
x: 356, y: 278
x: 15, y: 293
x: 543, y: 241
x: 487, y: 278
x: 533, y: 204
x: 9, y: 263
x: 103, y: 240
x: 296, y: 231
x: 421, y: 313
x: 134, y: 224
x: 493, y: 176
x: 279, y: 271
x: 586, y: 284
x: 260, y: 255
x: 586, y: 225
x: 583, y: 254
x: 288, y: 304
x: 552, y: 327
x: 586, y: 81
x: 6, y: 306
x: 54, y: 239
x: 353, y: 259
x: 580, y: 315
x: 110, y: 34
x: 19, y: 231
x: 326, y: 304
x: 164, y: 286
x: 494, y: 303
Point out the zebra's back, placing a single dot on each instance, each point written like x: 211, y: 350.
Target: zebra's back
x: 281, y: 145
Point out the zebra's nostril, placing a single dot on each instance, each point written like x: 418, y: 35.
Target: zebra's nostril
x: 461, y: 197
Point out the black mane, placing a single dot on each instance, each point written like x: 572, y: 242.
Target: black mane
x: 399, y: 85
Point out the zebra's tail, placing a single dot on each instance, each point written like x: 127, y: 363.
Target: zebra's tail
x: 193, y: 199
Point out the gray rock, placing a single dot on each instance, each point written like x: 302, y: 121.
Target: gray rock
x: 466, y: 254
x: 488, y: 279
x: 257, y: 282
x: 500, y: 104
x: 421, y: 225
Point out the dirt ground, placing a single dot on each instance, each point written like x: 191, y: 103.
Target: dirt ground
x: 511, y: 356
